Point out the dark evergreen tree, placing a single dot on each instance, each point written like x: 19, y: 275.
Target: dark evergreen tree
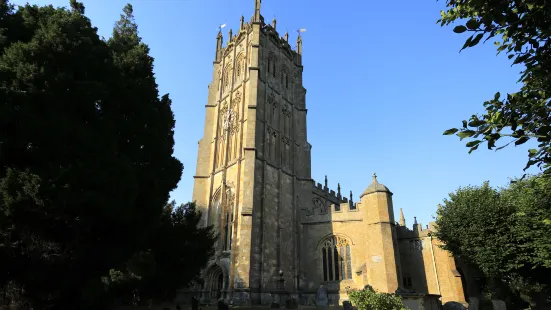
x: 86, y: 158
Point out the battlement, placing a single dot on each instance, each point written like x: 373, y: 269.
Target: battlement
x: 334, y: 196
x: 417, y: 230
x: 269, y: 30
x: 327, y: 204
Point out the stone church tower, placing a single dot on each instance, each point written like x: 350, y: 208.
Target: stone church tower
x: 278, y: 229
x: 254, y: 161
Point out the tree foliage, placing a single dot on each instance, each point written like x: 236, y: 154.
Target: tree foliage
x: 521, y: 28
x: 150, y: 274
x: 369, y: 299
x: 504, y: 232
x: 86, y: 162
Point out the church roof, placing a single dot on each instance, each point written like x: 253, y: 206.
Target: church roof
x: 375, y: 187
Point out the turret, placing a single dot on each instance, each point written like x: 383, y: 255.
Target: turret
x: 383, y: 257
x: 379, y: 199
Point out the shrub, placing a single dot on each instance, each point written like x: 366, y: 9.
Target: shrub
x: 369, y: 299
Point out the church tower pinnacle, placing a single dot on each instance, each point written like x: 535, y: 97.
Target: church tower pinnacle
x: 256, y: 17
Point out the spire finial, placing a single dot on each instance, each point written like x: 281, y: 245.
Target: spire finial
x: 350, y: 196
x: 219, y: 42
x: 230, y: 35
x: 325, y: 181
x: 274, y: 23
x: 286, y: 36
x: 415, y: 220
x: 257, y: 10
x: 241, y: 22
x: 339, y: 188
x: 402, y: 218
x: 374, y: 176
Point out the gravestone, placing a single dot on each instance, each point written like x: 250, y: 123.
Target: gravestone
x: 222, y: 305
x: 347, y: 305
x: 452, y: 305
x: 321, y: 297
x: 499, y: 304
x: 291, y: 303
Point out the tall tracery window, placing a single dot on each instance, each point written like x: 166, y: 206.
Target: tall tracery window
x: 285, y: 77
x: 285, y: 152
x: 270, y: 144
x: 336, y: 260
x: 271, y: 109
x: 272, y: 64
x: 222, y: 134
x: 223, y: 225
x: 227, y: 78
x: 228, y: 221
x: 240, y: 68
x: 286, y: 111
x: 233, y: 127
x: 228, y: 128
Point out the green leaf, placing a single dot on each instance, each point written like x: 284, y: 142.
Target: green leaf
x: 476, y: 123
x: 473, y: 24
x: 521, y: 140
x: 476, y: 39
x: 466, y: 134
x: 467, y: 43
x: 464, y: 124
x: 496, y: 96
x: 450, y: 131
x: 459, y: 29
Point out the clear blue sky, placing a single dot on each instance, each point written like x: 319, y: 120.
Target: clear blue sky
x: 383, y: 80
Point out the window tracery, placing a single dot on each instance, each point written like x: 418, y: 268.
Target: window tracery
x: 228, y: 220
x: 286, y: 152
x: 285, y: 77
x: 227, y: 78
x: 286, y: 111
x: 223, y: 225
x: 271, y: 64
x: 270, y: 145
x: 233, y: 126
x: 336, y: 260
x: 271, y: 109
x: 240, y: 68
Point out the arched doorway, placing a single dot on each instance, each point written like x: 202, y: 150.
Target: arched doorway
x: 215, y: 284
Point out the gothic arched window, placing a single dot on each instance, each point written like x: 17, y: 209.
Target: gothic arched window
x: 335, y: 258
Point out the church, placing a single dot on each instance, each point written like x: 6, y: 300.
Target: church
x: 278, y: 229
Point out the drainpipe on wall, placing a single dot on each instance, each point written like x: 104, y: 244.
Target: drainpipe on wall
x: 434, y: 266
